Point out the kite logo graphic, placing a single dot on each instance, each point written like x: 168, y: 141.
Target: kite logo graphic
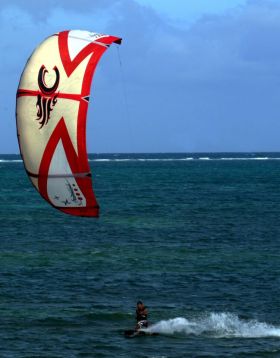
x: 47, y: 99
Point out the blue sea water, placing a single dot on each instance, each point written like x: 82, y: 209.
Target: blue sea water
x: 195, y: 236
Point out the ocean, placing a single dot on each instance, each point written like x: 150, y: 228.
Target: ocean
x: 196, y: 236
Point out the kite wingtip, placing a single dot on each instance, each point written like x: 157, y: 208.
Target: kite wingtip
x: 118, y: 41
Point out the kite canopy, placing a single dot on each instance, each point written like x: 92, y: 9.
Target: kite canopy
x: 51, y: 110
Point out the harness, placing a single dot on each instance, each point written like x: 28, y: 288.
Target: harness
x: 141, y: 317
x: 142, y: 324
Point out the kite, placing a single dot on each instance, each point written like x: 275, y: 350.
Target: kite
x: 51, y: 111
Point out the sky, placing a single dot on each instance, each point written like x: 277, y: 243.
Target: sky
x: 190, y: 76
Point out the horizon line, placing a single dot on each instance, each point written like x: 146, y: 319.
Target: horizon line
x: 181, y: 152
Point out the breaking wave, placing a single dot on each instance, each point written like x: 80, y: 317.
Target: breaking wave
x: 179, y: 159
x: 10, y: 160
x: 219, y: 325
x: 253, y: 158
x: 142, y: 159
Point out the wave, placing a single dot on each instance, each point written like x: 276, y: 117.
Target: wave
x: 140, y: 160
x: 253, y: 158
x: 10, y: 160
x: 178, y: 159
x: 219, y: 325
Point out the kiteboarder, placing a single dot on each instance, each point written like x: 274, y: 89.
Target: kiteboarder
x: 142, y: 322
x: 141, y: 315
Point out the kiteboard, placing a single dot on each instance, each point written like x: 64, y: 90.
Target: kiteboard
x: 132, y: 333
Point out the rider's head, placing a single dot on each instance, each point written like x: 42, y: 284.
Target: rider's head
x: 140, y: 304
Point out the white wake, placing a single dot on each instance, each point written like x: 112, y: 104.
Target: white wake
x: 216, y: 324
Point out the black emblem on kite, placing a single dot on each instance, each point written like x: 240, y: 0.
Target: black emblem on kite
x: 47, y: 99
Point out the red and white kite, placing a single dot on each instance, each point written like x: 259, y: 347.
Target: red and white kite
x: 52, y: 104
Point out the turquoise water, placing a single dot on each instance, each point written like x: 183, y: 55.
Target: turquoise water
x: 196, y: 236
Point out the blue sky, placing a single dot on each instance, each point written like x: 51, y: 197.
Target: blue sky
x: 184, y: 13
x: 199, y: 75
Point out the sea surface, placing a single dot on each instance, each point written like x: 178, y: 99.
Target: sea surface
x: 196, y: 236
